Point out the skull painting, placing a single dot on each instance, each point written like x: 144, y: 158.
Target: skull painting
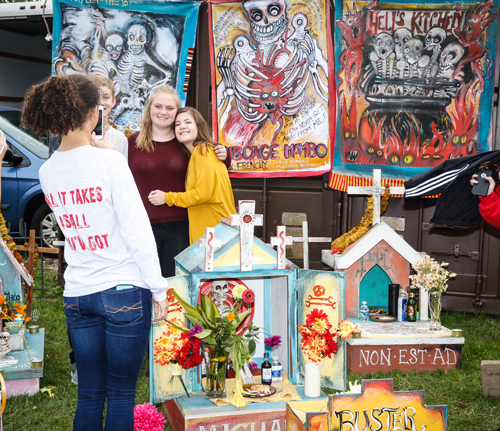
x: 384, y: 45
x: 137, y: 38
x: 434, y: 38
x: 220, y: 289
x: 449, y: 58
x: 114, y: 46
x: 268, y: 20
x: 401, y: 36
x: 412, y: 50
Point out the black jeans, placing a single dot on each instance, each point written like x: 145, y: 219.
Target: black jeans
x: 171, y: 238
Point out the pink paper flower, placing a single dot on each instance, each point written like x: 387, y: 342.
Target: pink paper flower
x: 274, y: 340
x: 248, y: 296
x: 148, y: 418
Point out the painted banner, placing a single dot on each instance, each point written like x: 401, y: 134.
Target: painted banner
x: 414, y: 85
x: 270, y: 85
x: 138, y: 45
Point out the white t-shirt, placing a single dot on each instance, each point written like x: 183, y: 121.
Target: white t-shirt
x: 109, y: 240
x: 119, y: 140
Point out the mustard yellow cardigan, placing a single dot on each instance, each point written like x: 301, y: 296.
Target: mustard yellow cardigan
x: 208, y: 196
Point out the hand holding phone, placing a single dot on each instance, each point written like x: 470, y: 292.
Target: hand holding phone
x: 481, y: 185
x: 99, y: 128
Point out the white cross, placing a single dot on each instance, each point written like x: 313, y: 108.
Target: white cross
x: 376, y: 190
x: 210, y: 243
x: 281, y: 240
x: 246, y: 219
x: 306, y: 240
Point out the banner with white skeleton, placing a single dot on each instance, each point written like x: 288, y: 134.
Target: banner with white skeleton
x: 138, y: 45
x: 414, y: 83
x: 270, y: 84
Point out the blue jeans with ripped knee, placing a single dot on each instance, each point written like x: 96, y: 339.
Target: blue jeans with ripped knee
x: 109, y: 331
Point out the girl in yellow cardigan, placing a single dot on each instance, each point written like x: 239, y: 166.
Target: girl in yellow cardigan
x: 208, y: 197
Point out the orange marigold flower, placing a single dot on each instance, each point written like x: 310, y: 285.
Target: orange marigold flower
x: 27, y: 319
x: 2, y: 300
x: 231, y: 317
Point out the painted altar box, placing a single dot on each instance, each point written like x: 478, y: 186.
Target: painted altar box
x: 379, y: 258
x: 283, y: 297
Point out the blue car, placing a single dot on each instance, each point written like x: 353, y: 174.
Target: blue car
x: 22, y: 199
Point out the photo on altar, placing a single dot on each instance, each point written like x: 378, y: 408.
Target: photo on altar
x: 260, y: 310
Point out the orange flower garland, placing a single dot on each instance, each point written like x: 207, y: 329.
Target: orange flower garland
x: 342, y: 242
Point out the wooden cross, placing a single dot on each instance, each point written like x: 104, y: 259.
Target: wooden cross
x: 246, y: 219
x: 306, y: 240
x: 281, y: 240
x: 210, y: 243
x: 376, y: 190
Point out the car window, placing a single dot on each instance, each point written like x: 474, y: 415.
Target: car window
x: 28, y: 142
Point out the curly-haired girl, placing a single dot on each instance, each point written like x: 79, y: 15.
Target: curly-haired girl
x: 113, y: 268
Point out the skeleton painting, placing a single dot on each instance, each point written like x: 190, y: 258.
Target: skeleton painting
x: 221, y: 291
x: 415, y: 85
x: 271, y: 85
x: 137, y: 47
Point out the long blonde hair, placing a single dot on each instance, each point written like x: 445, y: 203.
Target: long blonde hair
x: 204, y: 138
x: 145, y: 138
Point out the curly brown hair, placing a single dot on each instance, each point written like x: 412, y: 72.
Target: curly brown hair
x: 59, y: 104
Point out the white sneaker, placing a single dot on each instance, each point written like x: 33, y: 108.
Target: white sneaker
x: 74, y: 374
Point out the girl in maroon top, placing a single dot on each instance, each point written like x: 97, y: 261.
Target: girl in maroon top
x: 159, y: 162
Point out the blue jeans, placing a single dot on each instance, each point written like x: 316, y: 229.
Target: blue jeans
x: 109, y: 331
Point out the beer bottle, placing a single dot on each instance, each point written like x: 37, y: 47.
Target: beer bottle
x: 411, y: 308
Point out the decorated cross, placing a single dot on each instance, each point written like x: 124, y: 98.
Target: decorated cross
x: 305, y: 239
x: 376, y: 190
x: 281, y: 240
x: 210, y: 243
x: 246, y: 219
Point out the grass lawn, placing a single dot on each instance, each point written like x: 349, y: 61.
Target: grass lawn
x: 461, y: 390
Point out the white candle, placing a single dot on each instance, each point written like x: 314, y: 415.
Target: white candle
x: 312, y: 384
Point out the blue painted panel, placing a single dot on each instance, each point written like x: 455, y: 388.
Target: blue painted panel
x: 10, y: 277
x: 17, y: 365
x: 324, y: 291
x: 374, y: 289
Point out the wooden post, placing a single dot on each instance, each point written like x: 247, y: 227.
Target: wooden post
x: 305, y: 239
x: 31, y: 263
x: 376, y: 190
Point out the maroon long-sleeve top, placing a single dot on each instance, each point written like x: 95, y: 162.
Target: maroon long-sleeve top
x: 163, y: 169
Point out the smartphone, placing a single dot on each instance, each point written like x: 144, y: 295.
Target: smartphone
x: 482, y: 186
x: 99, y: 129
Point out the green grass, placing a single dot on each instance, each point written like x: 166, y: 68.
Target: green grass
x: 461, y: 391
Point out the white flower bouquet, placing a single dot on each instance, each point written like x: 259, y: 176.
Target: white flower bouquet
x: 431, y: 275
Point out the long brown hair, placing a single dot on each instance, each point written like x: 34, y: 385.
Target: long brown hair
x: 204, y: 139
x: 145, y: 138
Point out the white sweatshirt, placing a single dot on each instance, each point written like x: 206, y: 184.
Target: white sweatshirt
x: 109, y: 240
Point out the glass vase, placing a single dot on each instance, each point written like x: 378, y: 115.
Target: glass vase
x: 435, y: 311
x: 215, y: 360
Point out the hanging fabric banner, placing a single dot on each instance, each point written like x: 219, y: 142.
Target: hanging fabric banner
x: 414, y: 84
x: 270, y: 85
x: 138, y: 45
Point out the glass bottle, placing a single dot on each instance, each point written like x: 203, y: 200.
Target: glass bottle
x: 364, y: 312
x: 277, y: 373
x: 411, y: 309
x: 266, y: 370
